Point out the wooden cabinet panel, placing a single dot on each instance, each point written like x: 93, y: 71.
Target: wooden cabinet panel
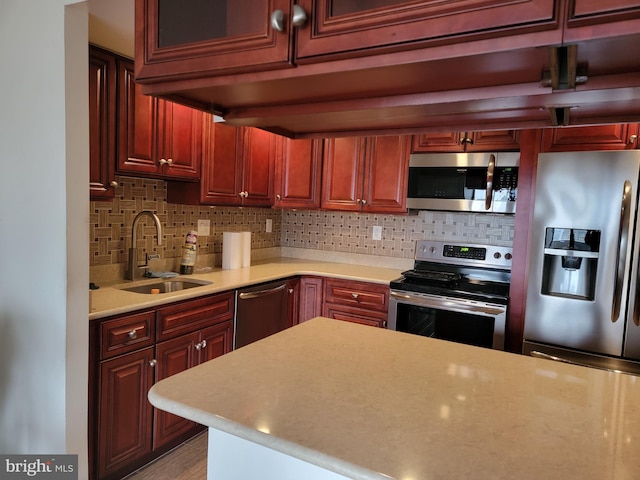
x: 387, y: 170
x: 156, y: 138
x: 102, y: 123
x: 218, y: 341
x: 124, y: 411
x: 211, y: 36
x: 258, y: 167
x: 458, y: 142
x: 343, y: 172
x: 588, y: 19
x: 173, y: 356
x: 298, y: 174
x: 358, y: 294
x: 601, y: 137
x: 341, y: 27
x: 366, y: 174
x: 311, y: 297
x: 355, y: 315
x: 192, y: 315
x: 127, y: 333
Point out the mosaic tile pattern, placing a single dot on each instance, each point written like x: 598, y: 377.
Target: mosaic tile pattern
x: 345, y: 232
x: 352, y: 232
x: 111, y: 221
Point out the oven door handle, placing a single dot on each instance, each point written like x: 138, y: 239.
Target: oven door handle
x: 445, y: 303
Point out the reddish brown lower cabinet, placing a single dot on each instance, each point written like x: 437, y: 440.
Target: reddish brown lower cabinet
x: 599, y: 137
x: 125, y: 415
x: 359, y: 302
x: 293, y: 303
x: 128, y: 354
x: 311, y: 292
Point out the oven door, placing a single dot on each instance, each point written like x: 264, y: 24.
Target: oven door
x: 447, y: 318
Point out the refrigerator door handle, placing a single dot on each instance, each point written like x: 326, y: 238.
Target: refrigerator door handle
x: 489, y: 194
x: 623, y: 239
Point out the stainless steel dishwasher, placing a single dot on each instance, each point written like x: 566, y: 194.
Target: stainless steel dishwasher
x: 261, y: 310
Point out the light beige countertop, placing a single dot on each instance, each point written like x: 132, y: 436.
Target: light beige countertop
x: 111, y: 300
x: 371, y: 403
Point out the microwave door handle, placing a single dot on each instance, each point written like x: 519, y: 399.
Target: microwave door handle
x: 489, y: 193
x: 621, y: 260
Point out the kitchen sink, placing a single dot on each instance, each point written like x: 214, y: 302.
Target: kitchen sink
x: 166, y: 286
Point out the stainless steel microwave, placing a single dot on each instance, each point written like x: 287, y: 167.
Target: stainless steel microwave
x: 468, y: 182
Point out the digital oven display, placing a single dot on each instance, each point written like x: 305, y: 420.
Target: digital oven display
x: 460, y: 251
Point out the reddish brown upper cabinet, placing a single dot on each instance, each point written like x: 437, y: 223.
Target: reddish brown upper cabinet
x: 298, y: 174
x: 238, y: 168
x: 458, y: 142
x: 600, y: 137
x: 102, y: 123
x: 366, y: 174
x: 204, y: 38
x: 156, y: 138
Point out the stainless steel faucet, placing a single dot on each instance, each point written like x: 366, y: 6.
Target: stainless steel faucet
x: 134, y: 269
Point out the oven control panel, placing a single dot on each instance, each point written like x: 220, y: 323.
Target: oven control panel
x: 489, y: 256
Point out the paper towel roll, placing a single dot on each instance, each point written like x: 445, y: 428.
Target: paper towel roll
x: 231, y: 250
x: 246, y: 249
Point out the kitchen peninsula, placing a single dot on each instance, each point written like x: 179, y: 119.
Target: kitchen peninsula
x: 340, y: 400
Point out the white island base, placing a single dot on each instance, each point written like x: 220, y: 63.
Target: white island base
x: 234, y: 458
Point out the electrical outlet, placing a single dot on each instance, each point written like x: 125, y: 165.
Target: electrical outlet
x: 204, y: 228
x: 269, y: 225
x: 377, y: 232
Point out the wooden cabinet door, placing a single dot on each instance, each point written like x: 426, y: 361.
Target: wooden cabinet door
x: 588, y: 19
x: 601, y: 137
x: 311, y: 291
x: 210, y: 37
x: 293, y: 302
x: 437, y: 142
x: 137, y: 125
x: 355, y: 315
x: 221, y: 180
x: 343, y: 171
x: 259, y: 154
x: 386, y: 176
x: 102, y: 123
x: 493, y: 141
x: 180, y: 132
x: 173, y: 356
x: 125, y: 414
x: 298, y: 174
x: 215, y: 341
x: 346, y: 26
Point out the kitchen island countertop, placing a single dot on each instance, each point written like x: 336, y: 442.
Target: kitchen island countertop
x: 112, y: 300
x: 370, y: 403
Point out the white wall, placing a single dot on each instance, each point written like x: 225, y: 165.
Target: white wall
x: 43, y: 227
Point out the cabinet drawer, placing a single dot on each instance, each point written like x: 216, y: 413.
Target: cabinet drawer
x: 355, y: 315
x: 194, y: 314
x: 126, y: 334
x: 344, y: 292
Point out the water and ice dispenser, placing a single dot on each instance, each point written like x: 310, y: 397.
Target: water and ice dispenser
x: 570, y: 263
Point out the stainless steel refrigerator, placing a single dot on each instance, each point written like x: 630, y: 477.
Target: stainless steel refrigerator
x: 583, y: 304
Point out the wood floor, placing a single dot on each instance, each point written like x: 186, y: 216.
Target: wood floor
x: 186, y: 462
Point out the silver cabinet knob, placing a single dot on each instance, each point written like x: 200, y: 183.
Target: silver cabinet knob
x: 162, y: 161
x: 153, y: 363
x: 170, y: 162
x: 355, y: 295
x: 277, y: 20
x: 114, y: 184
x: 204, y: 343
x: 133, y: 334
x: 299, y: 17
x: 278, y: 197
x: 290, y: 291
x: 633, y: 138
x: 358, y: 200
x: 364, y: 202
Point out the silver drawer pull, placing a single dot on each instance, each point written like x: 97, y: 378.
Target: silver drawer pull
x: 355, y: 295
x: 133, y: 334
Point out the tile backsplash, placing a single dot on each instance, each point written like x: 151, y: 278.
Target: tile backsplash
x: 331, y: 231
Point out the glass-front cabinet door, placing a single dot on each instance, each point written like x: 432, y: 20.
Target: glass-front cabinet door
x: 203, y: 37
x: 343, y: 26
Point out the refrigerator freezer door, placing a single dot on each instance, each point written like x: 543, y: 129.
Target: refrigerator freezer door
x: 632, y: 336
x: 583, y: 191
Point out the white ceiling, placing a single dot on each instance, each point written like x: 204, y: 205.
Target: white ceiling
x: 111, y: 25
